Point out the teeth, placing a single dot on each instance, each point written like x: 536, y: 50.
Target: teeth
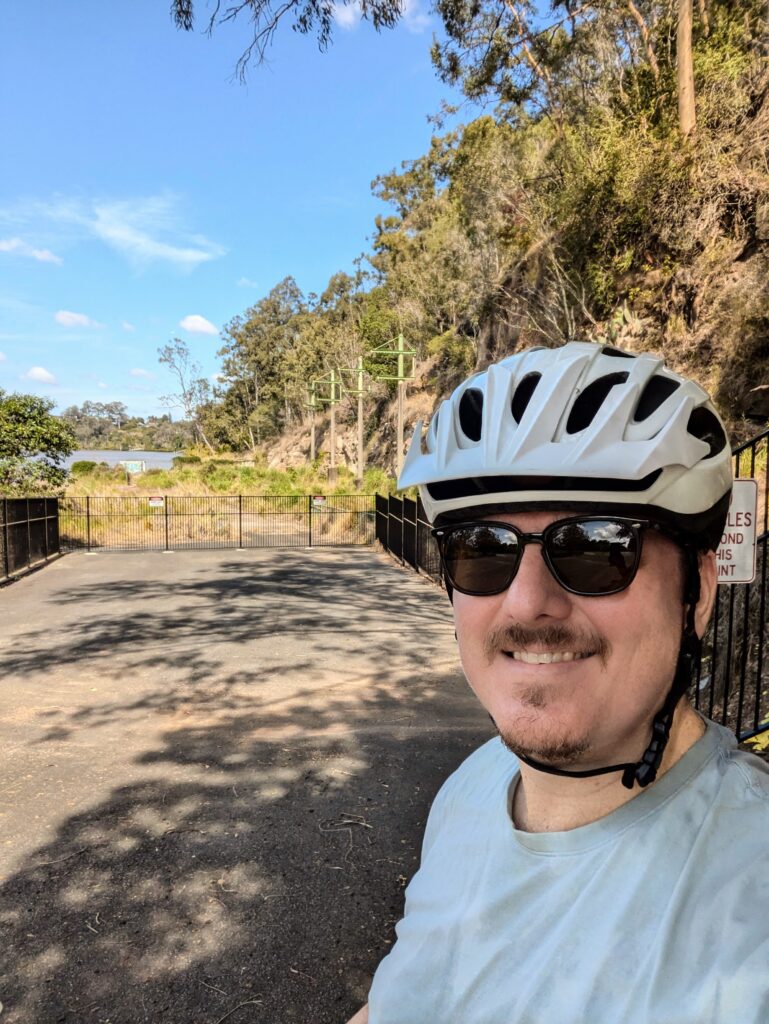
x: 547, y: 658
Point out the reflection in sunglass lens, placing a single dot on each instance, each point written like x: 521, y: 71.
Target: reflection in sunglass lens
x: 481, y: 559
x: 596, y: 556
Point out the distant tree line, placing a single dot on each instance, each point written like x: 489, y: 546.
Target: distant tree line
x: 109, y: 425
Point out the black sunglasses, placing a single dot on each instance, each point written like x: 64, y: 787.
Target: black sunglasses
x: 589, y: 556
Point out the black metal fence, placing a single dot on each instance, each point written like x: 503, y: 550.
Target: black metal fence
x: 29, y: 533
x: 733, y: 684
x: 733, y: 680
x: 402, y: 528
x: 171, y: 523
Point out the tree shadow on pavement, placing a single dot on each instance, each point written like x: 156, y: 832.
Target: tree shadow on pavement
x: 255, y: 872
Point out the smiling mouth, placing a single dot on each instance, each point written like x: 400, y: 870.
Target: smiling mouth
x: 545, y: 658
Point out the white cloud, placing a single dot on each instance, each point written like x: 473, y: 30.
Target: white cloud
x: 138, y: 372
x: 347, y: 16
x: 101, y: 384
x: 128, y: 327
x: 2, y: 357
x: 16, y: 245
x: 40, y: 374
x: 246, y: 282
x: 126, y: 226
x: 414, y: 18
x: 197, y: 324
x: 67, y: 318
x: 144, y: 230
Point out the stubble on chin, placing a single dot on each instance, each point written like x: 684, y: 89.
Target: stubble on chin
x: 531, y: 734
x: 560, y: 753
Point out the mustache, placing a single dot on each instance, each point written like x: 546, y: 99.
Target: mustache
x: 553, y: 638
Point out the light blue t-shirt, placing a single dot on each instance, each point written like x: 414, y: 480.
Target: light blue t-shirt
x: 656, y: 914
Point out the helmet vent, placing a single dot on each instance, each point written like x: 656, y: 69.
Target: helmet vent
x: 704, y: 425
x: 609, y: 350
x: 471, y: 413
x: 523, y: 394
x: 657, y: 389
x: 588, y: 403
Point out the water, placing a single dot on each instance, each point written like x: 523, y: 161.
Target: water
x: 152, y: 460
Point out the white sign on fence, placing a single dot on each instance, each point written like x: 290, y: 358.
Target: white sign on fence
x: 736, y: 555
x: 157, y: 502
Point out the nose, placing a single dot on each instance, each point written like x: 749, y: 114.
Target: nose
x: 534, y: 595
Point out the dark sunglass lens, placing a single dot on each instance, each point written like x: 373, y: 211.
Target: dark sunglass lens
x: 596, y: 556
x: 481, y: 559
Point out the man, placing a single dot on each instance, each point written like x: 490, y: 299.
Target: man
x: 603, y: 860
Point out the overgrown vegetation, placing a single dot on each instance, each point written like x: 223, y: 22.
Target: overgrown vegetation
x: 221, y: 476
x: 579, y: 207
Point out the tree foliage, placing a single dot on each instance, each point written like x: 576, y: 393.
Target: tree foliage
x: 110, y: 425
x: 304, y: 16
x: 33, y: 445
x: 194, y: 391
x: 586, y: 201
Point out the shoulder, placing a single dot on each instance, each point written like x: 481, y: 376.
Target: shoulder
x: 479, y: 784
x: 480, y: 777
x: 745, y: 777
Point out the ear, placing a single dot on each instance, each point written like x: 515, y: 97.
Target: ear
x: 708, y: 588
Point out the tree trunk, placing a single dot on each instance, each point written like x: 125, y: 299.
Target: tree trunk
x: 203, y: 437
x: 687, y: 118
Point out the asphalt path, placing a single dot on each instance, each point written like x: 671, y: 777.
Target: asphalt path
x: 216, y: 767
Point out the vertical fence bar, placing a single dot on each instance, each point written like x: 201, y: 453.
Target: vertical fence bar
x: 240, y: 520
x: 29, y: 538
x: 165, y: 511
x: 309, y: 520
x: 45, y: 525
x: 7, y: 551
x: 88, y: 523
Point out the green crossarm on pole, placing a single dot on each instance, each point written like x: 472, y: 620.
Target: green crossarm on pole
x: 401, y: 353
x: 334, y: 393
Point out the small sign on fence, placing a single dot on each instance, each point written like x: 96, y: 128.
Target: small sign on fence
x: 736, y: 555
x: 157, y: 502
x: 319, y: 500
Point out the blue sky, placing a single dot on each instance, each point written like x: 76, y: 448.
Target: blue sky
x: 145, y: 194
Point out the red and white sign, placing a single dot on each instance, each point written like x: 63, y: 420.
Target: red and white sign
x: 736, y: 555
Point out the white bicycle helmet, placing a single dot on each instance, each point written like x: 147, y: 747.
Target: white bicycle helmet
x: 584, y: 426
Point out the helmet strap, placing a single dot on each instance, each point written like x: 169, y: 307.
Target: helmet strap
x: 644, y: 772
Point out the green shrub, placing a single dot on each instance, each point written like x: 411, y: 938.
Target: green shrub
x: 83, y: 466
x: 185, y: 460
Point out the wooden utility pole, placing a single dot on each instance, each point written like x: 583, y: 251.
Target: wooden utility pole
x: 687, y: 115
x: 334, y: 384
x: 401, y: 353
x: 401, y: 401
x: 312, y: 406
x: 356, y: 387
x: 332, y: 462
x: 360, y: 422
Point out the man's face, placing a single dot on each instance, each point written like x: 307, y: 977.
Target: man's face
x: 597, y: 707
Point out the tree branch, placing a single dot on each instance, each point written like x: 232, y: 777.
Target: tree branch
x: 644, y: 30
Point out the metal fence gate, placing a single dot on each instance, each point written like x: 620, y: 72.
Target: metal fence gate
x: 29, y: 533
x: 229, y: 521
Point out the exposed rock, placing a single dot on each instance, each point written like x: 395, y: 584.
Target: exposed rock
x: 756, y: 403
